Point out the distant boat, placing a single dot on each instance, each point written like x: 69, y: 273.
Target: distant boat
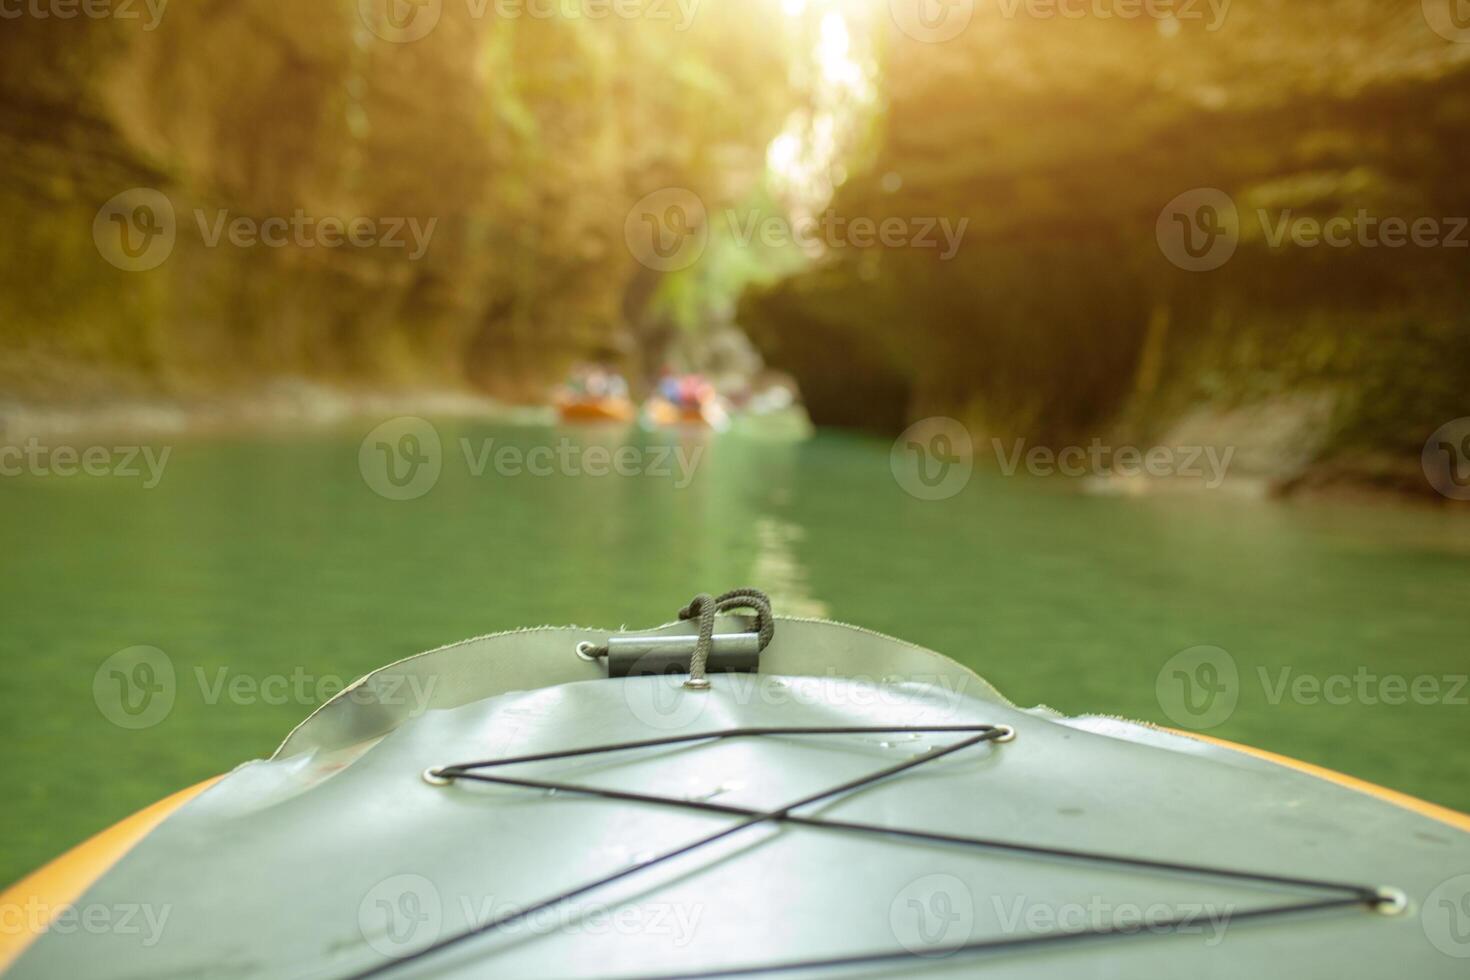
x: 590, y: 410
x: 662, y: 413
x: 827, y: 802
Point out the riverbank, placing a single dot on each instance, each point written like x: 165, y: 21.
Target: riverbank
x: 282, y: 403
x: 1268, y: 452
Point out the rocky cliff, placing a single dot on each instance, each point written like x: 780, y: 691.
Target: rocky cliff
x: 338, y: 194
x: 1202, y: 221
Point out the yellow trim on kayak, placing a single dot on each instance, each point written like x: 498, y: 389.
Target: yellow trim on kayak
x: 1424, y: 808
x: 29, y: 906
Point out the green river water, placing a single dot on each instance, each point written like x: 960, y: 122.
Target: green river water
x: 268, y: 570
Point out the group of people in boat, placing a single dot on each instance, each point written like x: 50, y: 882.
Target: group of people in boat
x: 596, y: 393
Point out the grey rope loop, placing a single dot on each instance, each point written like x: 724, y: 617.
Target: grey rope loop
x: 705, y: 607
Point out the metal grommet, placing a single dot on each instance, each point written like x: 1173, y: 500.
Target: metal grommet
x: 697, y: 684
x: 584, y: 650
x: 1391, y: 901
x: 432, y: 777
x: 1007, y: 733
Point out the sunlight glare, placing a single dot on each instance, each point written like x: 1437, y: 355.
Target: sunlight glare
x: 805, y: 160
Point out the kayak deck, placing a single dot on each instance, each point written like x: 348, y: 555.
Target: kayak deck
x: 337, y: 857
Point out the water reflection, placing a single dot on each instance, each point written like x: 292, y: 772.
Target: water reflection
x: 780, y: 572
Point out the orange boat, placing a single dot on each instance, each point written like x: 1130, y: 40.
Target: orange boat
x: 662, y: 412
x: 584, y: 410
